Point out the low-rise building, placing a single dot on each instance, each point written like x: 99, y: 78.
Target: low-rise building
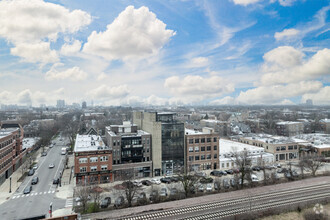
x: 93, y: 160
x: 289, y: 128
x: 315, y: 143
x: 131, y: 151
x: 325, y: 125
x: 202, y: 149
x: 229, y: 148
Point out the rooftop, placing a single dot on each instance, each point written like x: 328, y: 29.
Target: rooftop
x: 89, y: 143
x: 228, y: 146
x: 6, y: 131
x: 267, y: 138
x: 288, y: 122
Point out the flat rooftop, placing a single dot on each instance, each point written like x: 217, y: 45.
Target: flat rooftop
x: 267, y: 138
x: 228, y: 146
x: 89, y: 143
x: 6, y: 131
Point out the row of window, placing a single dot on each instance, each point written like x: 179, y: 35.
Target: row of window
x: 202, y: 157
x: 8, y: 151
x: 92, y: 168
x: 202, y: 140
x: 208, y: 148
x: 4, y: 164
x: 295, y: 147
x: 6, y: 143
x: 93, y: 159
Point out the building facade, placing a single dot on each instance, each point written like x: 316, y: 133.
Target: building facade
x: 131, y: 151
x: 202, y: 149
x: 289, y: 128
x: 93, y: 160
x: 325, y: 125
x: 168, y: 151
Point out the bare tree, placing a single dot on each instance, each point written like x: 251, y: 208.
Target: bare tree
x: 302, y: 166
x: 313, y: 163
x: 83, y: 193
x: 130, y: 189
x: 188, y: 183
x: 243, y: 162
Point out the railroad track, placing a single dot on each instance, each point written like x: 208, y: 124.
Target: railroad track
x: 259, y: 200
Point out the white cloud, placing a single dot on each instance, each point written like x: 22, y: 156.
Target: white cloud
x: 286, y: 102
x: 228, y: 100
x: 286, y: 34
x: 285, y: 65
x: 26, y: 23
x: 106, y: 92
x: 155, y: 100
x: 102, y: 76
x: 6, y: 96
x: 24, y: 97
x: 276, y: 93
x: 135, y: 33
x: 71, y: 49
x: 245, y: 2
x: 319, y: 98
x: 59, y: 91
x: 284, y: 2
x: 197, y: 88
x: 198, y: 62
x: 38, y: 52
x: 74, y: 73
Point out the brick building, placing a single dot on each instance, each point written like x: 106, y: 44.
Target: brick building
x: 131, y: 150
x: 11, y: 136
x: 202, y: 149
x: 93, y: 160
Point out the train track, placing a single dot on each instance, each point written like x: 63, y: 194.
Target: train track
x: 242, y: 204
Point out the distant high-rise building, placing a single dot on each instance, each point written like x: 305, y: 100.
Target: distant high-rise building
x: 309, y: 102
x: 84, y: 104
x: 60, y: 104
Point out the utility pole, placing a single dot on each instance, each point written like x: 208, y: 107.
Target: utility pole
x: 50, y: 209
x: 10, y: 185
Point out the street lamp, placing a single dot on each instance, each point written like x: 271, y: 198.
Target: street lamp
x: 10, y: 185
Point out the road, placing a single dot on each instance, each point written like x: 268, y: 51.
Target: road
x: 37, y: 202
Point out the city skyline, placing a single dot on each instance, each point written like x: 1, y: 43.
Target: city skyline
x: 151, y: 52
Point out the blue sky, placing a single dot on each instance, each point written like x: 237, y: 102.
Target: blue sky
x: 165, y: 52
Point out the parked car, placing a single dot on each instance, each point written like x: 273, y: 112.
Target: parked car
x: 282, y: 170
x: 201, y: 188
x: 206, y: 180
x: 200, y: 174
x: 155, y: 181
x: 51, y: 166
x: 173, y: 192
x: 223, y: 172
x: 35, y: 167
x: 278, y: 165
x: 31, y: 172
x: 137, y: 183
x: 256, y: 168
x: 153, y: 195
x: 146, y: 182
x: 174, y: 179
x: 43, y: 154
x: 27, y: 189
x: 56, y: 181
x: 254, y: 178
x: 119, y: 202
x: 209, y: 187
x: 142, y: 198
x: 236, y: 170
x: 105, y: 202
x: 216, y: 173
x: 226, y: 184
x: 166, y: 180
x: 163, y: 192
x: 217, y: 186
x: 230, y: 171
x: 34, y: 180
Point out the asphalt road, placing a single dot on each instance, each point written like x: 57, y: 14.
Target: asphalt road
x: 37, y: 202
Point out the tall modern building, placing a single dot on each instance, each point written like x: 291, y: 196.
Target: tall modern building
x: 60, y: 104
x: 84, y: 104
x: 168, y: 151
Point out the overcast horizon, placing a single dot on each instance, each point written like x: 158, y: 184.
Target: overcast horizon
x: 247, y: 52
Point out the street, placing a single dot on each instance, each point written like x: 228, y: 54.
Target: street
x: 37, y: 202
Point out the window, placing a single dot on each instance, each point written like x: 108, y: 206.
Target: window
x: 202, y: 140
x: 208, y: 140
x: 82, y: 160
x: 94, y: 168
x: 208, y: 148
x: 147, y: 140
x: 227, y: 165
x: 191, y: 149
x: 278, y: 148
x: 191, y: 141
x: 114, y: 143
x: 208, y: 156
x: 196, y: 140
x: 93, y: 159
x: 196, y: 149
x: 202, y: 157
x: 222, y: 165
x: 215, y: 156
x: 104, y: 158
x: 196, y: 157
x: 104, y: 167
x: 202, y: 148
x: 215, y: 147
x: 191, y: 158
x: 214, y: 139
x: 290, y: 147
x: 295, y: 147
x: 83, y: 169
x: 283, y: 147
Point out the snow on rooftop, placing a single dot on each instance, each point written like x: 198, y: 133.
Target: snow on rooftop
x: 228, y: 146
x: 30, y: 142
x: 288, y: 122
x: 89, y: 143
x: 6, y: 131
x: 192, y: 132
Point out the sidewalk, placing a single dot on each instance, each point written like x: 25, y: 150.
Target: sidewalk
x: 4, y: 187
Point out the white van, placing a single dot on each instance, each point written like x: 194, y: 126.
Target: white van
x: 254, y: 178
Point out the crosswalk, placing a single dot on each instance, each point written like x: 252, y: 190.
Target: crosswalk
x: 69, y: 202
x: 20, y: 195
